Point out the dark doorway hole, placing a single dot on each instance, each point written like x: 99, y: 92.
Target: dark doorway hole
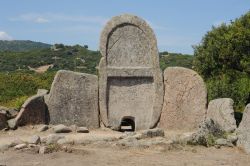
x: 127, y: 124
x: 238, y: 117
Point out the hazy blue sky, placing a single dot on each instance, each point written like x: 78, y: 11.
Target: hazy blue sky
x: 178, y: 24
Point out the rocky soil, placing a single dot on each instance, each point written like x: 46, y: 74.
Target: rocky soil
x: 37, y: 145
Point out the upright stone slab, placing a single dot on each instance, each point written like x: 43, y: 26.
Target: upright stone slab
x: 243, y: 131
x: 185, y: 100
x: 130, y: 83
x: 73, y: 99
x: 222, y: 112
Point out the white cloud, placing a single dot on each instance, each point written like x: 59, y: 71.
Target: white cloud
x: 41, y: 20
x: 5, y: 36
x: 31, y: 17
x: 55, y: 17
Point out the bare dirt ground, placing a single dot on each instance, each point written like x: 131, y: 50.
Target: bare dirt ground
x: 93, y: 156
x: 108, y: 154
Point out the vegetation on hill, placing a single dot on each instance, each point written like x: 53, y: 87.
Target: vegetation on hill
x: 21, y: 45
x: 75, y: 58
x: 223, y: 59
x: 174, y: 59
x: 16, y: 87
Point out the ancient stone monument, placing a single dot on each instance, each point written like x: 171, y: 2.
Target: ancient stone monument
x: 185, y: 100
x: 130, y: 83
x: 221, y: 111
x: 73, y: 99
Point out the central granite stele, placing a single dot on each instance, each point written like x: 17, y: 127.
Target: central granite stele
x: 130, y: 79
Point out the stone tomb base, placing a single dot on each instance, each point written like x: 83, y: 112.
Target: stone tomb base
x: 128, y: 98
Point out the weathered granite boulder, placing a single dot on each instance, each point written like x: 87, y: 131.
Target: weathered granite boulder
x: 73, y: 99
x: 3, y: 120
x: 206, y: 134
x: 53, y: 138
x: 243, y: 131
x: 185, y: 100
x: 130, y: 82
x: 33, y: 111
x: 9, y: 112
x: 35, y: 139
x: 222, y: 112
x: 12, y: 124
x: 61, y: 129
x: 82, y: 130
x: 43, y: 128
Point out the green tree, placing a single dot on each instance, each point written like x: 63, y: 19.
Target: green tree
x: 223, y: 59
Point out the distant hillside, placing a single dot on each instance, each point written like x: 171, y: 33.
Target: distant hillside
x: 175, y: 59
x: 75, y: 58
x: 21, y: 45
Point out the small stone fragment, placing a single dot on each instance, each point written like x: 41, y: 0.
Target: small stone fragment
x: 20, y: 146
x: 157, y: 132
x: 53, y: 138
x: 43, y: 128
x: 12, y: 124
x: 82, y: 130
x: 61, y: 129
x: 34, y: 140
x: 43, y: 150
x: 12, y: 113
x: 64, y: 141
x: 223, y: 142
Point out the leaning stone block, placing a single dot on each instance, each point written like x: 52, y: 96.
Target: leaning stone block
x: 33, y: 111
x: 73, y: 99
x: 185, y: 100
x: 221, y: 111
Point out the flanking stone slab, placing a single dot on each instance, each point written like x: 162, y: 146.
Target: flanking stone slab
x: 222, y: 112
x: 33, y: 111
x: 243, y: 131
x: 130, y: 82
x: 185, y: 100
x: 73, y: 99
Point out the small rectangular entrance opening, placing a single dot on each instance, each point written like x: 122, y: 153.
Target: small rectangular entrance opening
x: 127, y: 124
